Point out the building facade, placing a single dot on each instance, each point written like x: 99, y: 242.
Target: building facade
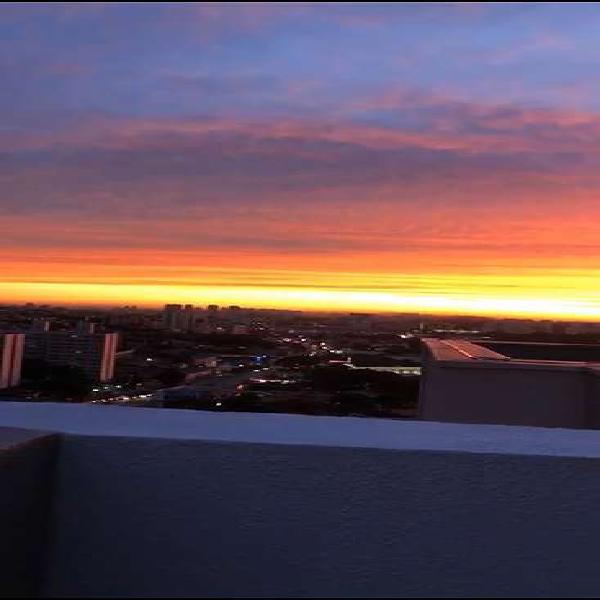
x: 11, y: 356
x: 552, y: 385
x: 94, y: 353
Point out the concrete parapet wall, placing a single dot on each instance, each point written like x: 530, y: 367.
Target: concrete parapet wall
x: 156, y: 502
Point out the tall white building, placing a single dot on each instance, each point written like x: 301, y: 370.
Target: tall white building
x: 11, y: 356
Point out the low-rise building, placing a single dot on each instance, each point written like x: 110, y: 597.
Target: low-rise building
x: 547, y: 385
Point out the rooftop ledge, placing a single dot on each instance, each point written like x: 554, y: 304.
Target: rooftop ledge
x: 343, y: 432
x: 463, y: 353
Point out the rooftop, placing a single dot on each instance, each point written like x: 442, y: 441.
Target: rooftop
x: 589, y: 353
x: 514, y: 354
x: 510, y: 383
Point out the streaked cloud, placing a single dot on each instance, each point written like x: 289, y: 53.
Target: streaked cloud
x: 434, y: 149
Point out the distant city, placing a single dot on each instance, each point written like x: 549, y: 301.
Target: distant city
x: 231, y: 358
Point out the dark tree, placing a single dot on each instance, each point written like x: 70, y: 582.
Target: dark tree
x: 171, y: 377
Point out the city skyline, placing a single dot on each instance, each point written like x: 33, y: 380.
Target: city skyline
x: 438, y: 158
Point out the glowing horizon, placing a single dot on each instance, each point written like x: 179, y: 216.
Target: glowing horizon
x: 461, y: 302
x: 441, y: 159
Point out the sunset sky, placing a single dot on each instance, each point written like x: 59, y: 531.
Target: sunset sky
x: 433, y: 158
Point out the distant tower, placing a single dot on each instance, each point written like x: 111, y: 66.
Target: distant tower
x: 189, y: 315
x: 40, y: 325
x: 179, y: 318
x: 83, y: 327
x: 171, y: 316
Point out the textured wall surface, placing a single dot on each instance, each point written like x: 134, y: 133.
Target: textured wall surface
x: 436, y: 510
x: 159, y: 518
